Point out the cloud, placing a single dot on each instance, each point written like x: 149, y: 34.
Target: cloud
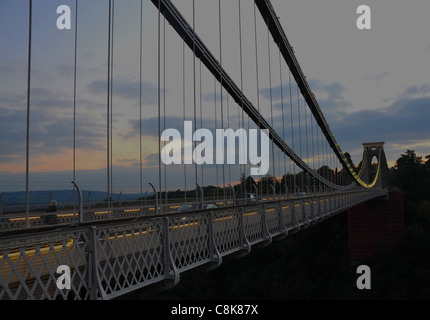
x: 150, y: 125
x: 65, y: 70
x: 127, y: 89
x: 404, y: 121
x: 47, y: 136
x: 334, y: 93
x: 330, y: 96
x: 414, y: 91
x: 211, y: 96
x: 377, y: 77
x: 126, y: 179
x: 51, y: 125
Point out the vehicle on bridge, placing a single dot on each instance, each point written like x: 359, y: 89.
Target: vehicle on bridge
x: 195, y: 206
x: 246, y: 198
x: 300, y: 194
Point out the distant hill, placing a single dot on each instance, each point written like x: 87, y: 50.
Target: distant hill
x: 63, y: 198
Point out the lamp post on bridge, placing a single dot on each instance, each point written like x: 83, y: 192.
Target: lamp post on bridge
x: 201, y: 195
x: 89, y: 203
x: 1, y: 206
x: 274, y: 191
x: 297, y: 191
x: 50, y: 197
x: 81, y: 206
x: 156, y: 197
x: 286, y: 190
x: 232, y: 191
x: 256, y: 193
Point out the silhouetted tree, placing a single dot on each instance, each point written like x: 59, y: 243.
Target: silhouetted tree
x: 410, y: 174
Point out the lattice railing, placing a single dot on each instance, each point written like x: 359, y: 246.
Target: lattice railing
x: 112, y: 258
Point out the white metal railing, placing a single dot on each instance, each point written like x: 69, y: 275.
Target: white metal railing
x: 110, y: 258
x: 17, y: 221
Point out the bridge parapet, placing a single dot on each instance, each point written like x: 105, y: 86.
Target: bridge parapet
x: 110, y: 258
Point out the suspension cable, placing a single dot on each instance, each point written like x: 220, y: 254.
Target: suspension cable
x: 243, y: 189
x: 183, y: 114
x: 201, y: 113
x: 221, y: 89
x: 300, y: 136
x: 111, y: 98
x: 159, y: 101
x: 258, y: 85
x: 271, y: 103
x: 164, y: 104
x: 313, y: 149
x: 140, y: 105
x: 292, y: 127
x: 27, y: 155
x: 307, y: 142
x: 194, y: 96
x: 108, y: 104
x: 283, y: 116
x: 74, y: 101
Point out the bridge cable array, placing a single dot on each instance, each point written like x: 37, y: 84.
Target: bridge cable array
x: 312, y: 165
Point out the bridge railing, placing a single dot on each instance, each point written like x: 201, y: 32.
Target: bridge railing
x: 110, y: 258
x: 17, y: 221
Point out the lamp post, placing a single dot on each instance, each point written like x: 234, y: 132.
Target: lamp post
x: 156, y: 198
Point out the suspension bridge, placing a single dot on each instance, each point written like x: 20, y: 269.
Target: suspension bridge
x: 116, y: 247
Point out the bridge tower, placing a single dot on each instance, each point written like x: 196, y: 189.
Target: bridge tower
x: 368, y: 169
x: 380, y: 222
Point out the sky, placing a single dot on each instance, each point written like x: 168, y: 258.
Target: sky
x: 372, y: 85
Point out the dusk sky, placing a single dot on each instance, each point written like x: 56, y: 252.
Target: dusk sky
x: 372, y: 85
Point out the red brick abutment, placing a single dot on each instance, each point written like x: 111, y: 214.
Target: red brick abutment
x: 375, y: 224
